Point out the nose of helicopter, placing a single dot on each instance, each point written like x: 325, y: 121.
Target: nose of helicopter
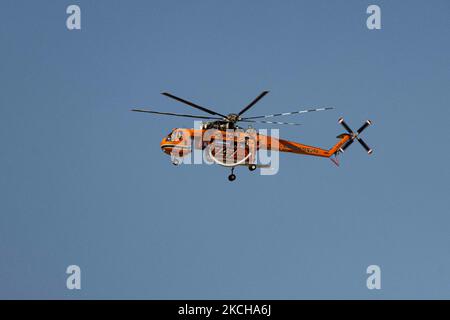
x: 174, y: 147
x: 166, y: 146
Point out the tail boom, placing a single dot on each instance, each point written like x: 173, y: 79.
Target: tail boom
x: 299, y: 148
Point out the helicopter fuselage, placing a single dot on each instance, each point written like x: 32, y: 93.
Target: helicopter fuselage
x: 181, y: 141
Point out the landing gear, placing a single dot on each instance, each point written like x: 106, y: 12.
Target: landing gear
x: 252, y: 167
x: 176, y: 162
x: 232, y: 176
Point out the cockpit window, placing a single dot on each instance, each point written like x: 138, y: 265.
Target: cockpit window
x: 175, y: 136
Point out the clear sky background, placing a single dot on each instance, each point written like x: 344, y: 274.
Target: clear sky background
x: 83, y: 180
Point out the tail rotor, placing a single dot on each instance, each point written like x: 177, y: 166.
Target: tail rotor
x: 355, y: 135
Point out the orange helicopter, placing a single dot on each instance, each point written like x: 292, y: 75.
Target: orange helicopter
x: 230, y: 146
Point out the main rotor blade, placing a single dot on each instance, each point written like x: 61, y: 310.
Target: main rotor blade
x: 193, y: 104
x: 253, y: 102
x: 289, y: 113
x: 272, y: 122
x: 174, y: 114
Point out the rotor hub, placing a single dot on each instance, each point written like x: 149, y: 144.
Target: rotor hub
x: 233, y: 117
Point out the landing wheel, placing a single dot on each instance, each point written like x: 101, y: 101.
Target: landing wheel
x: 252, y: 167
x: 175, y: 162
x: 232, y: 177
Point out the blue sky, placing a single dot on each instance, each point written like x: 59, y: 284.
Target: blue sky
x: 83, y: 180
